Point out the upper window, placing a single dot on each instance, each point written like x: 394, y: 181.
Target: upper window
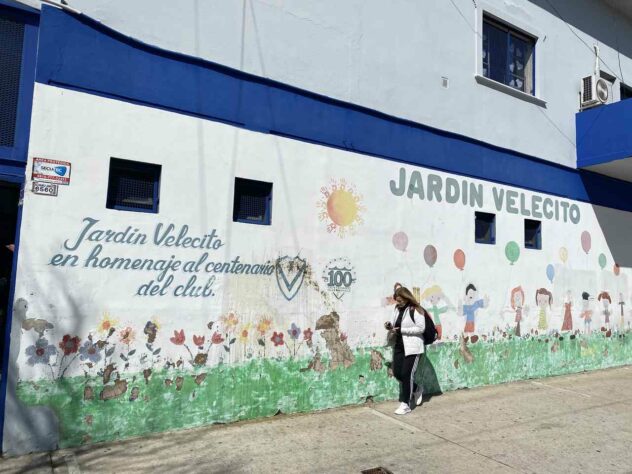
x: 508, y: 55
x: 133, y: 186
x: 484, y: 228
x: 252, y: 202
x: 11, y: 41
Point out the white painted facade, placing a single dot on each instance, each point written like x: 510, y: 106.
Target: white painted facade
x: 392, y: 56
x: 199, y: 162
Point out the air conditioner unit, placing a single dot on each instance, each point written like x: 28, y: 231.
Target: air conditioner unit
x: 595, y: 91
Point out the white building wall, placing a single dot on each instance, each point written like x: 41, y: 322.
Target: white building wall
x: 391, y: 56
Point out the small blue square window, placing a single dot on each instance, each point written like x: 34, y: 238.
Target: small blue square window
x: 485, y: 228
x: 252, y: 202
x: 532, y: 234
x: 133, y: 186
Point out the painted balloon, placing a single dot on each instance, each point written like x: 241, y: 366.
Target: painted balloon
x: 563, y: 254
x: 616, y: 269
x: 550, y: 272
x: 430, y: 255
x: 400, y: 241
x: 512, y: 252
x: 459, y: 259
x: 586, y: 241
x: 602, y: 261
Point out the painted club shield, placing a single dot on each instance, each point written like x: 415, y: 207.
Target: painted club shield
x: 290, y: 273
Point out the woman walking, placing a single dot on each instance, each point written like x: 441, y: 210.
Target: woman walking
x: 406, y: 329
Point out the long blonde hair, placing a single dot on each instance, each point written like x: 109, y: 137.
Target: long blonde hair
x: 406, y: 295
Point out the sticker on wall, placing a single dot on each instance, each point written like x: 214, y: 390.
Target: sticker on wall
x: 51, y: 171
x: 339, y: 276
x: 45, y: 189
x: 290, y: 273
x: 341, y: 206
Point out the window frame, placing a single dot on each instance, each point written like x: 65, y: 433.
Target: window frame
x: 132, y: 165
x: 538, y: 245
x: 509, y: 31
x: 493, y: 227
x: 267, y: 218
x: 517, y: 24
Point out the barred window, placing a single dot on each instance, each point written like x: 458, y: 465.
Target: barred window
x: 11, y: 41
x: 133, y: 186
x: 252, y: 202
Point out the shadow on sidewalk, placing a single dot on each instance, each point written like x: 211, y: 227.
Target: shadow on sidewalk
x: 427, y: 376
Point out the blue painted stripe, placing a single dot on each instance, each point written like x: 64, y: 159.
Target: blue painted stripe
x: 80, y: 53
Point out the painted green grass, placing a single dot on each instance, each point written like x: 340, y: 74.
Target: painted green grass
x: 264, y: 387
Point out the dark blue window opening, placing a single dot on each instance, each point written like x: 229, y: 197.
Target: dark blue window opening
x: 508, y: 56
x: 484, y: 228
x: 11, y: 43
x: 133, y: 186
x: 252, y: 203
x: 532, y: 234
x: 626, y: 91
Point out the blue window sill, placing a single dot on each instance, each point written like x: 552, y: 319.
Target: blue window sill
x: 499, y: 86
x: 244, y: 221
x: 132, y: 209
x: 485, y: 243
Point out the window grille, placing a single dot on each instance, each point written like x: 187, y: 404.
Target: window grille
x: 133, y: 186
x: 11, y: 41
x: 252, y: 201
x: 485, y: 228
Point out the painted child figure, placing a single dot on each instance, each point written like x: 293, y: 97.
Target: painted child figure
x: 605, y: 299
x: 521, y: 310
x: 586, y: 312
x: 434, y: 295
x: 472, y: 304
x: 567, y: 324
x: 543, y: 298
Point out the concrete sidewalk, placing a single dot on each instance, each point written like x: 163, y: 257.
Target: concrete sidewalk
x: 572, y: 424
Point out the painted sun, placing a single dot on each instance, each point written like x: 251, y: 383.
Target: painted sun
x: 341, y: 207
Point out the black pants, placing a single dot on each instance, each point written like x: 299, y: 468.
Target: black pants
x: 404, y: 368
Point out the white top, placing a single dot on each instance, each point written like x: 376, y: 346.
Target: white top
x: 412, y: 331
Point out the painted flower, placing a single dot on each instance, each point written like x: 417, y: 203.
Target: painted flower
x: 343, y: 336
x: 40, y: 352
x: 127, y: 335
x: 277, y: 338
x: 307, y: 334
x: 198, y: 340
x: 294, y: 331
x: 217, y: 338
x: 178, y: 337
x: 230, y: 321
x: 106, y: 324
x: 69, y: 345
x: 243, y: 333
x: 264, y: 325
x: 151, y: 328
x: 90, y: 351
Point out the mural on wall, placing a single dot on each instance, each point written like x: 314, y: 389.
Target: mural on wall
x: 469, y: 306
x: 341, y: 207
x: 339, y: 276
x: 214, y: 362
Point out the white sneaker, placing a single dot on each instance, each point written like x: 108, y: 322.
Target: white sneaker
x: 418, y: 396
x: 403, y: 409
